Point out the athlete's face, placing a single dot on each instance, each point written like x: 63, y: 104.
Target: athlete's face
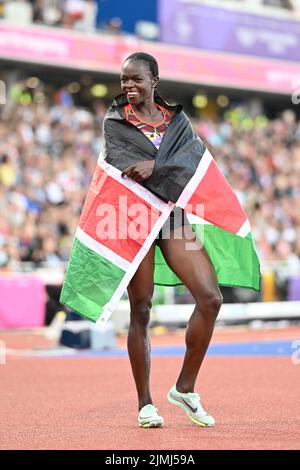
x: 137, y: 81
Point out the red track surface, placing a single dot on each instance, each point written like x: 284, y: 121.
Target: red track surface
x: 90, y: 403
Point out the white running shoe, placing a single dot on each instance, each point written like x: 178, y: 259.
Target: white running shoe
x: 148, y: 417
x: 190, y: 403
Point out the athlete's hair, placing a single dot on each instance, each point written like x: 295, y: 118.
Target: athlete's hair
x: 149, y: 59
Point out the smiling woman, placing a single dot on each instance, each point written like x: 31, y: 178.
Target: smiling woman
x: 149, y: 117
x: 139, y: 78
x: 152, y: 156
x: 139, y: 86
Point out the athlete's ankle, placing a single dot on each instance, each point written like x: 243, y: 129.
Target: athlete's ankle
x: 184, y: 388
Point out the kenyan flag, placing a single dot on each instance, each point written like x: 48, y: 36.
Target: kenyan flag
x: 120, y: 221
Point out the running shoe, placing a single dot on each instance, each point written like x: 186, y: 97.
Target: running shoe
x: 148, y: 417
x: 190, y: 403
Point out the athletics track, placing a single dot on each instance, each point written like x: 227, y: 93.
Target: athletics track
x: 66, y: 400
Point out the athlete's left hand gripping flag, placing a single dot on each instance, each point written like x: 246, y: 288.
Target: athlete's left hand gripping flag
x: 119, y: 222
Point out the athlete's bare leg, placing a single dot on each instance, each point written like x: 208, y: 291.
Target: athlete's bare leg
x: 140, y: 291
x: 195, y: 270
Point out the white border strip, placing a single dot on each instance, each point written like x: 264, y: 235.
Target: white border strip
x: 101, y: 250
x: 112, y: 304
x: 244, y: 230
x: 195, y: 219
x: 195, y: 179
x: 133, y: 186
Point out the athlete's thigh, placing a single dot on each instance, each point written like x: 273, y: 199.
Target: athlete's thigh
x: 187, y: 257
x: 141, y: 285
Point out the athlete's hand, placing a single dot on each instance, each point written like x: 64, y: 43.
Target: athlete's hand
x: 139, y: 171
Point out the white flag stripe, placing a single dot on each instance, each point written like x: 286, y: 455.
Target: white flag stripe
x: 100, y: 159
x: 245, y: 229
x: 112, y: 304
x: 132, y: 185
x: 101, y: 250
x: 195, y: 179
x: 195, y: 219
x: 242, y: 232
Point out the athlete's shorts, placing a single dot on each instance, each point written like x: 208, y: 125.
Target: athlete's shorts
x: 177, y: 218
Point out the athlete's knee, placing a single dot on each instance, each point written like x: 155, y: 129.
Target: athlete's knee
x: 140, y: 311
x: 210, y: 302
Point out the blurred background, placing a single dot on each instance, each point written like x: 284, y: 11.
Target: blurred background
x: 234, y: 65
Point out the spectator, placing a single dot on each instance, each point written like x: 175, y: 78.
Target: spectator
x: 113, y: 26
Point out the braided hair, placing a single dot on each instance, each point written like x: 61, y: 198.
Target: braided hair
x: 148, y: 59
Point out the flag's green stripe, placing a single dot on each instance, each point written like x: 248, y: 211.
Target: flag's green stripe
x: 90, y: 282
x: 163, y: 275
x: 234, y: 259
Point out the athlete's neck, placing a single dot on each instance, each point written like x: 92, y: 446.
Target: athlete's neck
x: 147, y: 109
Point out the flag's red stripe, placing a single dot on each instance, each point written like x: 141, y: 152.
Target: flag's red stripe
x: 220, y: 204
x: 97, y: 182
x: 103, y: 198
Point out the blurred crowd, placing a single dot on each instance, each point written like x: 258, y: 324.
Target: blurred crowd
x: 81, y: 14
x: 77, y: 14
x: 47, y: 158
x: 48, y: 154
